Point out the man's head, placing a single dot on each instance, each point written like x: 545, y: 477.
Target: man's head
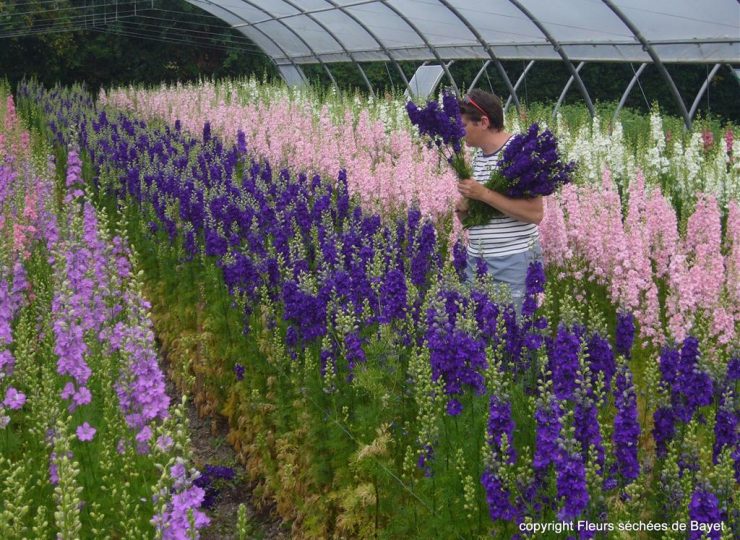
x: 480, y: 106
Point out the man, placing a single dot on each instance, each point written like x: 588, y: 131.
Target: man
x: 508, y: 243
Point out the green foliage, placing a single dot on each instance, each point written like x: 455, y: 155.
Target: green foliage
x: 166, y: 40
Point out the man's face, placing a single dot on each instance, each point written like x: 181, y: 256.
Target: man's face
x: 473, y: 130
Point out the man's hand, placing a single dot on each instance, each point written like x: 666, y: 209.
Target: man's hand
x: 471, y: 189
x: 462, y: 205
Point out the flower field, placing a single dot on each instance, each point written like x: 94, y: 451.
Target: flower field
x: 302, y: 272
x: 88, y: 433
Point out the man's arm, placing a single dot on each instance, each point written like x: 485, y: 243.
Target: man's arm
x: 527, y: 210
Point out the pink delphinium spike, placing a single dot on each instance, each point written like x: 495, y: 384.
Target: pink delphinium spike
x: 732, y: 260
x: 553, y: 234
x: 662, y: 231
x: 703, y: 247
x: 11, y: 118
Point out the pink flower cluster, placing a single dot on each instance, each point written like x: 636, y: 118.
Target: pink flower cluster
x: 583, y: 232
x: 14, y: 140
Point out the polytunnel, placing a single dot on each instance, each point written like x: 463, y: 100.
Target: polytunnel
x: 293, y: 33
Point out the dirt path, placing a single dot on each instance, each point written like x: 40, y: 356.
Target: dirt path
x: 214, y: 450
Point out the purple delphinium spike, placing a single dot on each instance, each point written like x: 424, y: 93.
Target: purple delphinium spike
x: 725, y: 428
x: 664, y: 428
x: 184, y: 502
x: 625, y: 333
x: 497, y: 497
x: 571, y: 484
x: 626, y: 427
x: 500, y: 422
x: 564, y: 362
x: 586, y: 423
x: 704, y: 508
x: 547, y: 417
x: 457, y: 359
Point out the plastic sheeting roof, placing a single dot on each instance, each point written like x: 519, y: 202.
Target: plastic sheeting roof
x: 295, y: 32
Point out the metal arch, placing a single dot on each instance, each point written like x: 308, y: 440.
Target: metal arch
x: 478, y: 75
x: 703, y: 89
x: 647, y: 47
x: 734, y: 73
x: 425, y: 40
x: 627, y: 91
x: 565, y: 90
x: 248, y: 24
x: 560, y: 51
x: 362, y: 25
x: 335, y: 38
x: 473, y: 30
x: 323, y: 64
x: 518, y: 82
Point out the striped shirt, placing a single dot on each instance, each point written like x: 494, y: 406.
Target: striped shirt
x: 501, y: 236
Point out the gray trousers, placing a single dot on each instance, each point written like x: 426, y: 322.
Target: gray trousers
x: 509, y: 269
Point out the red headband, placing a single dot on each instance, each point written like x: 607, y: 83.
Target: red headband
x: 474, y: 104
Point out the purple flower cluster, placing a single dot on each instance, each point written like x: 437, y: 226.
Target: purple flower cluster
x: 141, y: 385
x: 586, y: 423
x: 442, y: 125
x: 497, y: 497
x: 7, y: 314
x: 531, y: 164
x: 185, y: 500
x: 704, y: 508
x: 74, y: 177
x: 688, y: 386
x: 457, y: 359
x: 459, y: 258
x: 211, y: 480
x: 733, y: 369
x: 239, y: 372
x: 664, y: 428
x: 353, y: 350
x: 12, y: 299
x: 725, y: 428
x: 601, y: 359
x: 393, y: 301
x: 530, y: 336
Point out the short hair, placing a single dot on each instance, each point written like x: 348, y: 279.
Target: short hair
x: 490, y: 103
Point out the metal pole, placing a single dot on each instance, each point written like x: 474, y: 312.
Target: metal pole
x: 656, y: 60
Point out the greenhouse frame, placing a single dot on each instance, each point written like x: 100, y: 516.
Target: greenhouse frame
x: 293, y: 33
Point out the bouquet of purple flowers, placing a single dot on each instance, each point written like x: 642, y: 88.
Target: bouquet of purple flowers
x: 443, y: 128
x: 530, y: 165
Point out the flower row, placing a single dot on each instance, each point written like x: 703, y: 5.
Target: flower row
x: 88, y: 433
